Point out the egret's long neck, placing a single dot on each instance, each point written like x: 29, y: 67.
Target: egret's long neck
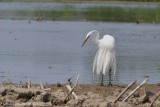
x: 95, y: 38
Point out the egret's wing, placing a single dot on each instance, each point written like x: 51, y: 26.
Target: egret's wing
x: 95, y: 63
x: 100, y: 61
x: 107, y: 62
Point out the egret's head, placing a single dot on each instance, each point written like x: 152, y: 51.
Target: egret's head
x: 91, y: 33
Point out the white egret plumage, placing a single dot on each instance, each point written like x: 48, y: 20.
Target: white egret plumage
x: 105, y: 59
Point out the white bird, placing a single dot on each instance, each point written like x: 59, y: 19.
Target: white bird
x: 105, y: 59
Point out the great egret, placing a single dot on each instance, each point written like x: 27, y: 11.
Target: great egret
x: 105, y: 59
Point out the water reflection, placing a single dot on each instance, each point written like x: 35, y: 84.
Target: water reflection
x: 81, y: 12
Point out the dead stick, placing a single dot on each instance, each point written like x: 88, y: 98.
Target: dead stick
x: 155, y: 99
x: 73, y: 93
x: 72, y: 89
x: 132, y: 92
x: 124, y: 91
x: 41, y: 85
x: 29, y: 84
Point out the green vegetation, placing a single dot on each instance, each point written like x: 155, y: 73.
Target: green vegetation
x: 101, y: 13
x: 104, y: 14
x: 130, y: 0
x: 82, y: 0
x: 120, y: 14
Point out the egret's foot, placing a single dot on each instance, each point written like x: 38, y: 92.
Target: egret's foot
x: 110, y: 84
x: 101, y: 85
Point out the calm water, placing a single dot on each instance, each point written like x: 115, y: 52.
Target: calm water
x: 50, y: 51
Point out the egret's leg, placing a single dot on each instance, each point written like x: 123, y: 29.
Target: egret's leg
x: 110, y: 84
x: 102, y: 80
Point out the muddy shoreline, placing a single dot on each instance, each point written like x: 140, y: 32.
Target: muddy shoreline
x: 88, y: 95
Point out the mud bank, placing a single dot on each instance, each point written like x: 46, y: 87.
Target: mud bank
x: 88, y: 95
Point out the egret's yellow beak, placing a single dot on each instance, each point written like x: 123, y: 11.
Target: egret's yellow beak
x: 85, y: 41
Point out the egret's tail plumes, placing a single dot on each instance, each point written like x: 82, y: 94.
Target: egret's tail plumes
x: 105, y: 60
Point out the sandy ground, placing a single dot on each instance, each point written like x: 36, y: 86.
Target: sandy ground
x: 88, y: 96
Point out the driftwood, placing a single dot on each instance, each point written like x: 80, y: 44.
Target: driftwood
x: 155, y: 99
x: 71, y: 89
x: 132, y: 92
x: 124, y: 91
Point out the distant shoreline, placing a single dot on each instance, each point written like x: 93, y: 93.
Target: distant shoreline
x: 83, y: 1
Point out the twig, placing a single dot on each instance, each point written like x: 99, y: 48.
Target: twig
x: 29, y: 84
x: 73, y: 93
x: 72, y: 89
x: 132, y: 92
x: 124, y: 91
x: 77, y: 79
x: 46, y: 89
x: 1, y: 83
x: 155, y: 99
x: 41, y: 86
x: 69, y: 81
x: 10, y: 80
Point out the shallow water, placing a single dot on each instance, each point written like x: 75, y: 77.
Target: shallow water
x: 47, y: 51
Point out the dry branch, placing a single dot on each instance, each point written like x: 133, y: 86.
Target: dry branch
x: 41, y: 86
x: 132, y: 92
x: 124, y: 91
x: 29, y: 84
x: 71, y: 89
x: 73, y: 93
x: 155, y: 99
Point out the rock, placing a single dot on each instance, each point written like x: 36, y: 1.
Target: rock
x: 59, y: 85
x: 37, y: 93
x: 46, y: 97
x: 56, y: 102
x: 25, y: 96
x: 144, y: 98
x: 4, y: 92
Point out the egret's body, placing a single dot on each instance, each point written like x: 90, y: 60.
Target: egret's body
x: 105, y: 59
